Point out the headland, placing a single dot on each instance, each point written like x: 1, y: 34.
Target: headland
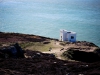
x: 49, y: 56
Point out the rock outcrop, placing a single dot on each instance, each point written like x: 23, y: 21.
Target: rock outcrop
x: 13, y: 51
x: 83, y: 56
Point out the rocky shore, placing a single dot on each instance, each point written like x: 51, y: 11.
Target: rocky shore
x: 36, y: 62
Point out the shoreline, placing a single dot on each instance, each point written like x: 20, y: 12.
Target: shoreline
x: 45, y: 56
x: 34, y: 37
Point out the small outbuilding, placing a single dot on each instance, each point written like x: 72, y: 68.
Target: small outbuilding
x: 67, y: 36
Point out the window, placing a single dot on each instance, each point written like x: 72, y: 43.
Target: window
x: 72, y: 37
x: 61, y: 38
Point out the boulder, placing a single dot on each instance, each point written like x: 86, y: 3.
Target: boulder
x: 14, y: 51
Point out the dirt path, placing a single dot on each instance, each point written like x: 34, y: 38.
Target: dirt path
x: 57, y: 51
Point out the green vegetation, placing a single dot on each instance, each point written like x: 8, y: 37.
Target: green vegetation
x: 36, y: 46
x: 26, y: 44
x: 68, y: 54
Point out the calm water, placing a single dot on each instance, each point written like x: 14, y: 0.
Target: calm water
x: 46, y: 17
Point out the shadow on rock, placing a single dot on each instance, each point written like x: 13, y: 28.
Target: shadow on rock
x: 81, y: 56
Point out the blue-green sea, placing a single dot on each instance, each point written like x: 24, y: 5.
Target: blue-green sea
x: 47, y: 17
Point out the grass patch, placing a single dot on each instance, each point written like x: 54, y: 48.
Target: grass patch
x: 36, y: 46
x: 26, y: 44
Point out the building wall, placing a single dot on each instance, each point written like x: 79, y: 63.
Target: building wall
x: 67, y: 36
x: 72, y: 37
x: 63, y: 35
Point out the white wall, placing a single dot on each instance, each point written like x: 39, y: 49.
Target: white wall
x: 67, y: 36
x: 63, y: 35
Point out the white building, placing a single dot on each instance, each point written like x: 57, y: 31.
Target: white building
x: 67, y: 36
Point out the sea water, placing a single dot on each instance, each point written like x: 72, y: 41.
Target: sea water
x: 47, y: 17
